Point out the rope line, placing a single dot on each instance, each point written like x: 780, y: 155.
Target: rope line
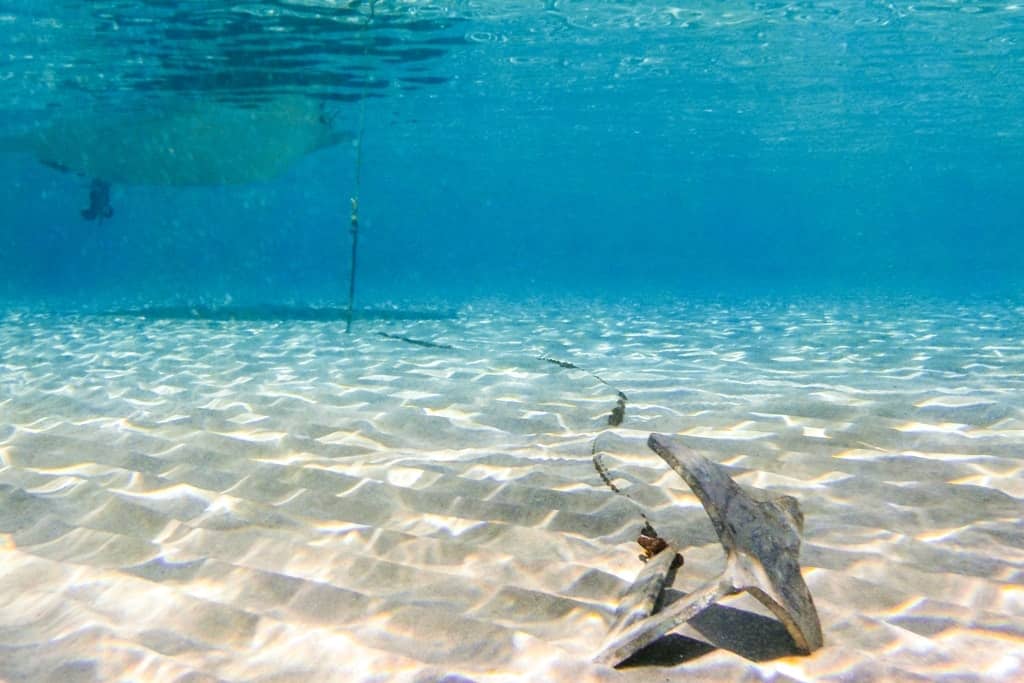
x: 354, y: 215
x: 648, y: 533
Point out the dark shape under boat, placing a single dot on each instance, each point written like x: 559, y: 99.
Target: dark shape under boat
x: 270, y: 312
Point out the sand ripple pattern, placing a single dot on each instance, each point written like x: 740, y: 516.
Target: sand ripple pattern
x: 276, y: 501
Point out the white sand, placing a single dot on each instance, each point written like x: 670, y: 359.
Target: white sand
x: 277, y: 501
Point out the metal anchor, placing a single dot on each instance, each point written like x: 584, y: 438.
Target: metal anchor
x: 761, y: 539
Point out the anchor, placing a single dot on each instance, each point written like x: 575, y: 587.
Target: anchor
x: 761, y: 539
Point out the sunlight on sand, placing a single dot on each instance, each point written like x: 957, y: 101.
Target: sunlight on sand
x: 290, y: 503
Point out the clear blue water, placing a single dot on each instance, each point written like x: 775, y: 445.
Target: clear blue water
x: 789, y: 232
x: 535, y: 148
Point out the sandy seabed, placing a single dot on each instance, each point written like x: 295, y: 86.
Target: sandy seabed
x: 277, y: 501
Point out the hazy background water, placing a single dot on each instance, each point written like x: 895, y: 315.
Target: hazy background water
x: 611, y: 149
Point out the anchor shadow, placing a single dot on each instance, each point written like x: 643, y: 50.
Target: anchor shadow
x: 750, y: 635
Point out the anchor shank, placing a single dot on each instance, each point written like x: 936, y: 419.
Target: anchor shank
x: 644, y: 632
x: 641, y: 598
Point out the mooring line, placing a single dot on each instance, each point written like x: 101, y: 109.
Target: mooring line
x: 648, y: 539
x: 354, y: 215
x: 417, y: 342
x: 619, y: 411
x: 648, y: 534
x: 602, y: 471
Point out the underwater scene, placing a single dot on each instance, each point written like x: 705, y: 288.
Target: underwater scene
x: 521, y: 340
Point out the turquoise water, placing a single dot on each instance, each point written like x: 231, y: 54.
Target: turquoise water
x: 785, y: 234
x: 521, y: 149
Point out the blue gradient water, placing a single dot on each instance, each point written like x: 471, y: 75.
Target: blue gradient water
x: 788, y: 232
x: 539, y: 148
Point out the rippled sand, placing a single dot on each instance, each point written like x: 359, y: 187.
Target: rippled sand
x: 277, y: 501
